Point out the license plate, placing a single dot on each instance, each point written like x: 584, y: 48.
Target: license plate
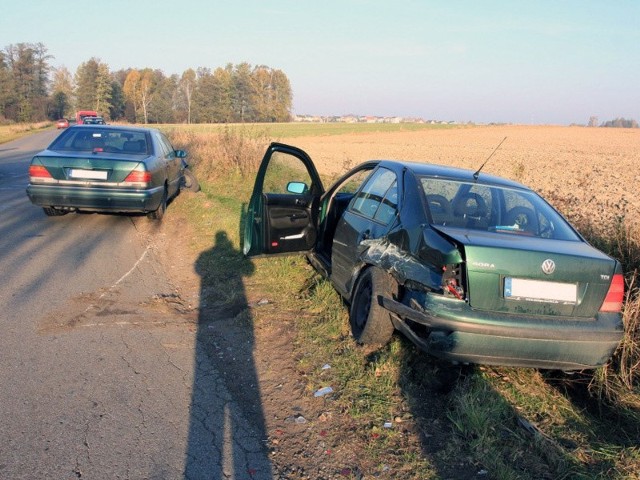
x: 88, y: 174
x: 538, y: 291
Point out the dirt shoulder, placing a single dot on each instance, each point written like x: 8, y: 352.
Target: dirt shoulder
x: 255, y: 347
x: 304, y: 438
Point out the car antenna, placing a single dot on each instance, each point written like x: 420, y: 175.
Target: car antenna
x: 477, y: 174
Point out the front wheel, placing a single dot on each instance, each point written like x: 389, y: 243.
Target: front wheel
x: 370, y: 322
x: 190, y: 182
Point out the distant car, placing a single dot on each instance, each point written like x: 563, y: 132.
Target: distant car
x: 93, y: 121
x: 471, y: 267
x: 62, y: 123
x: 106, y: 168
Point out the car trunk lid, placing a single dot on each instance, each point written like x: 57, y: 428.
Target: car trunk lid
x: 527, y: 275
x: 92, y: 167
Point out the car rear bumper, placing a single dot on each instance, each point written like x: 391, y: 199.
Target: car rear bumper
x: 96, y: 198
x: 458, y: 333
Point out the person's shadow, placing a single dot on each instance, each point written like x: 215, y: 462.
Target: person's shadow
x: 227, y: 429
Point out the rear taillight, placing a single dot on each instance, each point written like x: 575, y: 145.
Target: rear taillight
x: 615, y: 295
x: 452, y: 282
x: 40, y: 174
x: 38, y: 171
x: 141, y: 177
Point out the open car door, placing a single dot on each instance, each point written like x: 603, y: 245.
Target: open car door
x: 282, y: 216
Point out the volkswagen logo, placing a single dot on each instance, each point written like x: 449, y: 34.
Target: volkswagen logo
x: 548, y: 266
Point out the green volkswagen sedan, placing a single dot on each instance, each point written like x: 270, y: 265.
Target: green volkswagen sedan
x: 107, y: 168
x: 471, y: 267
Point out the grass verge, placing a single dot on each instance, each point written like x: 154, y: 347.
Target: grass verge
x: 14, y: 131
x: 296, y: 129
x: 413, y: 416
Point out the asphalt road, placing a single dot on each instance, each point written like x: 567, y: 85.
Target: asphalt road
x: 100, y: 373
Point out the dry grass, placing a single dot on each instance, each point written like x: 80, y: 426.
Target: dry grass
x: 611, y: 232
x: 12, y: 131
x: 618, y: 381
x: 628, y: 355
x: 224, y: 152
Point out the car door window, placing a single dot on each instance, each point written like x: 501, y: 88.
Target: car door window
x: 283, y: 169
x: 163, y: 149
x: 389, y: 206
x: 166, y: 144
x: 378, y: 199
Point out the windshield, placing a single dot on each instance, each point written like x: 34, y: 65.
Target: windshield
x: 493, y: 208
x: 95, y: 139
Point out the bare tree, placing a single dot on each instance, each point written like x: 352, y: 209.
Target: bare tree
x: 138, y: 90
x: 130, y: 90
x: 187, y: 86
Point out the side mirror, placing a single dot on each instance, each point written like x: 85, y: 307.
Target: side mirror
x: 297, y: 187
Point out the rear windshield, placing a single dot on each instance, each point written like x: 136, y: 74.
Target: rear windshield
x: 493, y: 208
x: 93, y: 120
x: 95, y: 139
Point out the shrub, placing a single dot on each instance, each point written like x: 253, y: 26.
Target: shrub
x: 221, y: 154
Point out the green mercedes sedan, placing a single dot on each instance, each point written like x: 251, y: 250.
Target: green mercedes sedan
x: 471, y: 267
x: 107, y: 168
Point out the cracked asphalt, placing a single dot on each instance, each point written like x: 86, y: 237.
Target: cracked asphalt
x: 106, y: 371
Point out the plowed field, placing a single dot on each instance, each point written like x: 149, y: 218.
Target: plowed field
x: 592, y: 172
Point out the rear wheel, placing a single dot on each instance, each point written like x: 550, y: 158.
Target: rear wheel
x: 159, y: 213
x: 370, y: 322
x: 54, y: 212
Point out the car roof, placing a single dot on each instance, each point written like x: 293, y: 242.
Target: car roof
x: 451, y: 173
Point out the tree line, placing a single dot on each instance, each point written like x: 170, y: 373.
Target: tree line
x: 621, y: 123
x: 616, y: 123
x: 32, y: 90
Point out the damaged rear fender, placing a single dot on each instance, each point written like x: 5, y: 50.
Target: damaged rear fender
x: 401, y: 265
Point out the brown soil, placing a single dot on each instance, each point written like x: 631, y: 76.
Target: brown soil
x: 597, y: 166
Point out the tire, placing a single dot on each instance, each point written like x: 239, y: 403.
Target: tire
x: 54, y: 212
x: 370, y: 322
x: 190, y: 182
x: 159, y: 212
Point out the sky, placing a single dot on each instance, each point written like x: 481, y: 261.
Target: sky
x: 517, y: 61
